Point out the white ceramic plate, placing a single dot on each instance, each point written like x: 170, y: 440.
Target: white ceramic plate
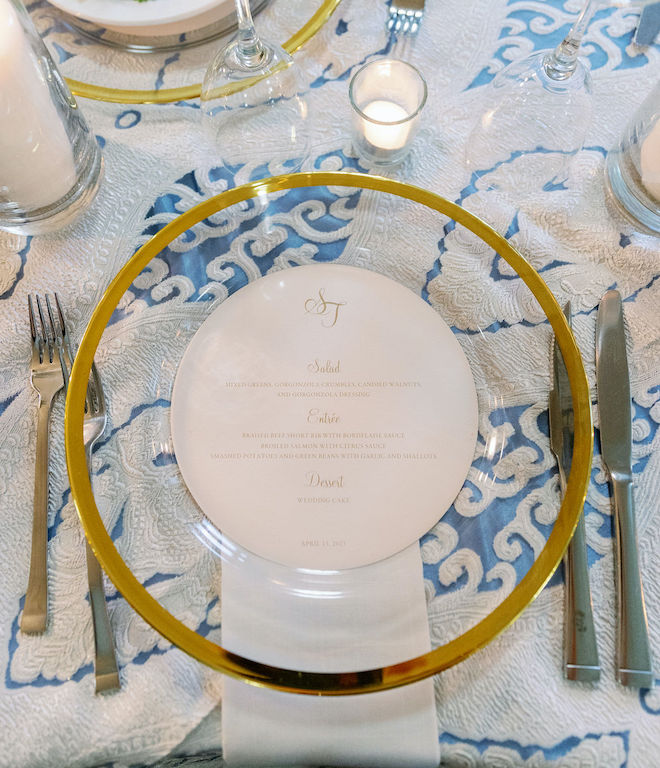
x: 152, y: 17
x: 324, y: 417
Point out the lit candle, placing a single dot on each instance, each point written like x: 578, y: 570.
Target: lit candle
x: 388, y: 132
x: 36, y: 157
x: 650, y: 161
x: 387, y: 96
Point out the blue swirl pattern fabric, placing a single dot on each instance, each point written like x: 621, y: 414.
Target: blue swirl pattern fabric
x: 508, y: 704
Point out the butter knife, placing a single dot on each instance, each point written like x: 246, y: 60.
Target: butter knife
x: 580, y: 646
x: 633, y: 656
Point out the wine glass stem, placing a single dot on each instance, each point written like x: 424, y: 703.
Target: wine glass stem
x: 250, y: 49
x: 561, y: 63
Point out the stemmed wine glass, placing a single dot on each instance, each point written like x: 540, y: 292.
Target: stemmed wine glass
x: 252, y: 106
x: 540, y: 106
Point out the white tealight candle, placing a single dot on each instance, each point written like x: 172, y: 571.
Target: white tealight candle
x: 36, y: 157
x: 387, y: 96
x: 388, y: 132
x: 650, y: 161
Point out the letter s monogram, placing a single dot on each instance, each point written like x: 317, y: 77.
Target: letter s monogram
x: 328, y: 310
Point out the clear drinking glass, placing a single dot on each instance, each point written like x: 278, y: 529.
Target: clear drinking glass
x: 633, y: 166
x: 387, y: 97
x: 540, y: 106
x: 50, y: 163
x: 252, y: 104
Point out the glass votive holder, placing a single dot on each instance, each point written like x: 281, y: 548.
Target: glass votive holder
x: 387, y: 97
x: 50, y: 162
x: 633, y: 166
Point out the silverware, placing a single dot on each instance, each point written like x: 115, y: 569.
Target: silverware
x: 105, y: 666
x: 47, y: 380
x: 105, y: 661
x: 404, y: 20
x: 580, y: 647
x: 633, y: 656
x: 405, y: 16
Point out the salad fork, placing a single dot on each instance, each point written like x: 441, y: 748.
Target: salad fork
x: 47, y: 380
x: 105, y: 665
x: 94, y: 424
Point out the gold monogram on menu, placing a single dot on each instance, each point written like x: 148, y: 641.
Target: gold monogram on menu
x: 328, y: 310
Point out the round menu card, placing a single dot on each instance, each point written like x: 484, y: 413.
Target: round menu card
x: 324, y: 417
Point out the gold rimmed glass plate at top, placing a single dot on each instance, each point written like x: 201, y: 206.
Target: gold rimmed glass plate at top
x: 153, y: 71
x: 489, y: 555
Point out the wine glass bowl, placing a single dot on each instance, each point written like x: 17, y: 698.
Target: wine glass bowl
x: 531, y: 112
x: 252, y: 88
x: 538, y: 106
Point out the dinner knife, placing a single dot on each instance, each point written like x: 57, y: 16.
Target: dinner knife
x: 633, y: 656
x: 580, y: 647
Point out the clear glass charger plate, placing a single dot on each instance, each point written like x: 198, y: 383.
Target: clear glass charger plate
x: 110, y: 67
x: 501, y: 540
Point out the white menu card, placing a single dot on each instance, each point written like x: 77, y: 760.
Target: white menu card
x: 314, y: 406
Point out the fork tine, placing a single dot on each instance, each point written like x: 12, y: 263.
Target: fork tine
x: 57, y: 330
x: 35, y: 330
x: 392, y: 19
x: 68, y: 354
x: 47, y: 330
x: 95, y: 391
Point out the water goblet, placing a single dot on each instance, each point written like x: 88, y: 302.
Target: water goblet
x: 252, y: 107
x: 539, y: 106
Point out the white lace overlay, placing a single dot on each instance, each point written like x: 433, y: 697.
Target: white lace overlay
x: 508, y: 704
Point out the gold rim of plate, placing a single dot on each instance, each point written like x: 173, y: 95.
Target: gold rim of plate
x: 187, y: 92
x: 294, y: 681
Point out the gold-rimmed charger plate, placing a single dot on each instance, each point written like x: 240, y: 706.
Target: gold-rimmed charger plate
x: 201, y: 647
x: 67, y: 48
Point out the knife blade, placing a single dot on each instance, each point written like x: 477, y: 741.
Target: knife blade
x: 633, y: 656
x: 580, y: 647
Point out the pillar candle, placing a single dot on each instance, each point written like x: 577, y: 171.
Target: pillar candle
x: 36, y: 157
x: 650, y: 161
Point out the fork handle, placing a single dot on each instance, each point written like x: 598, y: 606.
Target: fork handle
x: 106, y: 670
x: 105, y: 661
x: 35, y: 610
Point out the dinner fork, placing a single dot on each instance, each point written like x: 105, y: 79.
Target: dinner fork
x: 403, y: 21
x: 95, y: 420
x: 47, y: 380
x: 105, y: 666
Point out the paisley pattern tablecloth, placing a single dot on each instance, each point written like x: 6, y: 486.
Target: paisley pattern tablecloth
x: 508, y: 704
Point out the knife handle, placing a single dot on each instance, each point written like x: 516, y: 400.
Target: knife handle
x: 580, y: 647
x: 633, y: 655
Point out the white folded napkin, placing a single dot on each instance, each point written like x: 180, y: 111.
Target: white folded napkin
x: 327, y: 622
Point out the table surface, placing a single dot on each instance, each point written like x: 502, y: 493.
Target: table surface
x: 508, y: 704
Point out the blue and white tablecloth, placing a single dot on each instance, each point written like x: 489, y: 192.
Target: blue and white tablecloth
x: 508, y: 704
